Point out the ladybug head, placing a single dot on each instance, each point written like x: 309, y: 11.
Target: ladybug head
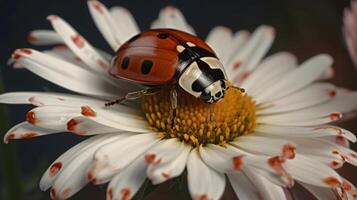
x: 205, y: 78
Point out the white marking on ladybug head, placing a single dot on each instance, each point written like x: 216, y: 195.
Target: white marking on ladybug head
x: 205, y: 79
x: 180, y: 48
x: 190, y: 44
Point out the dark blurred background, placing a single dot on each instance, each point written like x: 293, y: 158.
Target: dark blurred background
x: 304, y: 27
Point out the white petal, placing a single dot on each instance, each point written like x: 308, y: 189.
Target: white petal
x: 265, y: 146
x: 203, y: 182
x: 313, y: 172
x: 128, y: 182
x: 253, y: 52
x: 306, y: 117
x: 84, y: 126
x: 127, y: 23
x: 267, y: 189
x: 66, y: 54
x: 57, y: 166
x: 304, y: 75
x: 72, y: 177
x: 171, y: 17
x: 220, y: 38
x: 24, y: 130
x: 267, y: 73
x: 84, y: 50
x: 106, y: 24
x: 115, y: 156
x: 310, y: 96
x: 20, y: 97
x: 243, y: 187
x: 66, y: 74
x: 169, y: 166
x: 305, y: 132
x: 52, y: 117
x: 44, y: 37
x: 164, y: 151
x: 238, y: 42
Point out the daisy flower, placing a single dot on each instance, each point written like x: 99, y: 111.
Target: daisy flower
x: 277, y: 134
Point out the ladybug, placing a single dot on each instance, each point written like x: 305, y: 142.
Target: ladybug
x: 161, y: 57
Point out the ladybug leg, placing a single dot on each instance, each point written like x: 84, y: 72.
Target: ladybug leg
x: 173, y: 99
x: 128, y: 96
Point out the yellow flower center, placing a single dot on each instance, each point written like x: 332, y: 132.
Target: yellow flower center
x: 198, y: 122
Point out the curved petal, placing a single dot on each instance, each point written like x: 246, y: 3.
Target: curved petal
x: 65, y: 74
x: 80, y: 46
x: 117, y: 155
x: 44, y: 37
x: 220, y: 38
x: 24, y: 130
x: 72, y: 177
x: 268, y: 72
x: 171, y: 17
x: 170, y: 167
x: 127, y: 24
x: 239, y: 39
x: 267, y: 189
x: 312, y: 95
x: 252, y: 53
x: 304, y: 75
x: 243, y: 187
x: 128, y: 182
x: 203, y: 182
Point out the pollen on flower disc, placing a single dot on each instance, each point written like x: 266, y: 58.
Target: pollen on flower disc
x: 197, y: 122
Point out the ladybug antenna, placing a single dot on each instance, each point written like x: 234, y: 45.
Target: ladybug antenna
x: 230, y: 85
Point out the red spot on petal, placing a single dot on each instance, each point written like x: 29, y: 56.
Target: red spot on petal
x: 102, y: 64
x: 277, y: 164
x: 202, y: 197
x: 332, y: 181
x: 16, y: 56
x: 97, y: 6
x: 53, y: 193
x: 71, y: 126
x: 78, y: 40
x: 332, y: 93
x: 125, y: 193
x: 335, y: 116
x: 341, y: 141
x: 346, y: 185
x: 77, y: 58
x: 88, y: 111
x: 335, y: 152
x: 236, y: 65
x: 289, y: 151
x: 165, y: 175
x: 52, y: 17
x: 237, y: 163
x: 55, y: 167
x: 31, y: 38
x: 66, y: 192
x: 335, y: 164
x: 242, y: 76
x: 61, y: 99
x: 29, y: 135
x: 31, y: 117
x: 110, y: 193
x: 151, y: 159
x: 91, y: 178
x: 353, y: 155
x: 26, y: 51
x: 10, y: 136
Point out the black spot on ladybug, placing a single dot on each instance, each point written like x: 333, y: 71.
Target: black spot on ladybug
x: 135, y: 37
x: 125, y: 63
x: 163, y: 35
x: 146, y: 66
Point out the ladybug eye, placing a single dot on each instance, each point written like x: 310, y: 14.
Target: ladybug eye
x: 205, y: 96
